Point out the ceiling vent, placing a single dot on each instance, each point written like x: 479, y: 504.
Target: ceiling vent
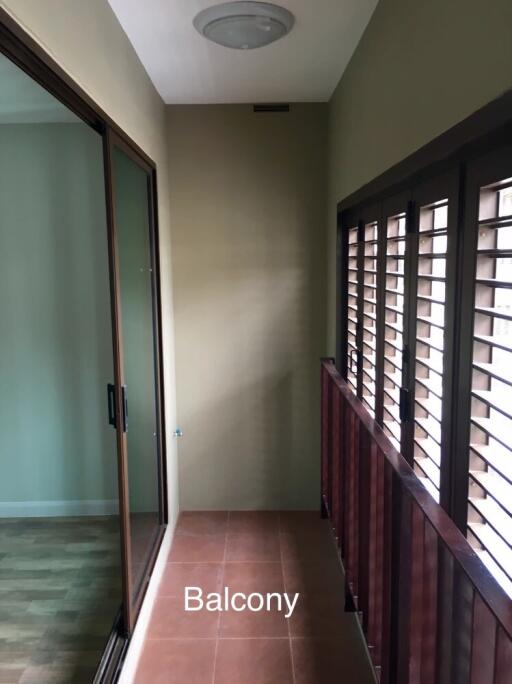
x: 264, y: 108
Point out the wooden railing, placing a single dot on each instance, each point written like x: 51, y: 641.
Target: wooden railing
x: 430, y: 611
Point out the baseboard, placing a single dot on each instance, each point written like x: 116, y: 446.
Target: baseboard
x: 134, y: 651
x: 52, y: 509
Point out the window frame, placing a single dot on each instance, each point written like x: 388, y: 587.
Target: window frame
x: 447, y: 160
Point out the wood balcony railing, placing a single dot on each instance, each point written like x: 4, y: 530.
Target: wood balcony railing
x: 429, y: 609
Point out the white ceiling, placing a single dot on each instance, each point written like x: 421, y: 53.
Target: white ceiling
x: 305, y: 66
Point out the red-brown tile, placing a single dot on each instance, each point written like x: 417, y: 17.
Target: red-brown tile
x: 301, y: 522
x: 170, y: 620
x: 308, y: 547
x: 202, y: 523
x: 244, y: 522
x: 253, y: 661
x: 248, y: 577
x: 329, y: 661
x: 177, y: 576
x: 258, y: 546
x: 318, y: 615
x: 199, y: 549
x: 176, y: 661
x: 313, y: 577
x: 254, y: 624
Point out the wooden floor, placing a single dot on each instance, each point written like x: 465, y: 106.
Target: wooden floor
x: 59, y: 595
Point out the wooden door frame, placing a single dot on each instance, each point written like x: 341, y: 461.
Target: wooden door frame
x: 133, y: 601
x: 26, y: 53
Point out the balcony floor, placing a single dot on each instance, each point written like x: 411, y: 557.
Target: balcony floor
x: 253, y: 552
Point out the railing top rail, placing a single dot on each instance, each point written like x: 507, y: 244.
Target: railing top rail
x: 483, y: 582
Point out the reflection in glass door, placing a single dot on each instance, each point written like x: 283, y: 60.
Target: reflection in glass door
x: 140, y: 391
x: 60, y: 569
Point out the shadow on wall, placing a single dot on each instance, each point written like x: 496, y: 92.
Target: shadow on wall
x: 252, y: 437
x: 248, y: 203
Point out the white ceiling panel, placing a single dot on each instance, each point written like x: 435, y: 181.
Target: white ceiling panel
x: 304, y: 66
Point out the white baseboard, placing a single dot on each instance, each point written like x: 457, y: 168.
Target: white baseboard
x: 133, y: 654
x: 52, y: 509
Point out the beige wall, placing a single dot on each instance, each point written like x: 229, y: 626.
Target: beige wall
x: 420, y: 67
x: 85, y: 38
x: 248, y: 207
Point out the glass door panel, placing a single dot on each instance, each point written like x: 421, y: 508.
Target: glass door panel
x: 60, y: 559
x: 134, y: 237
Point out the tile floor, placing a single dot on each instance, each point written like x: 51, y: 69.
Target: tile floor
x: 247, y: 552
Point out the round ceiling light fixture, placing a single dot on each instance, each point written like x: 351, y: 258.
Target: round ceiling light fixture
x: 244, y: 25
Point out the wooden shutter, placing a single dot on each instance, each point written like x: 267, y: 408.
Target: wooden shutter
x: 488, y: 262
x: 353, y: 297
x: 430, y: 330
x: 368, y: 314
x: 394, y: 285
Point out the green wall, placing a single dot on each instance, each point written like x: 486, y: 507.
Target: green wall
x: 55, y: 339
x: 419, y: 68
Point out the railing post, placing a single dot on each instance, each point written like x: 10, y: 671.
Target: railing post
x: 334, y: 492
x: 325, y: 383
x: 363, y: 467
x: 326, y: 437
x: 400, y: 584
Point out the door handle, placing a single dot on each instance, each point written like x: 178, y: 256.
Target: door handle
x: 124, y: 395
x: 111, y: 403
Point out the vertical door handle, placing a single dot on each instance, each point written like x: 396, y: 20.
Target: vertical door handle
x: 124, y: 394
x: 111, y: 403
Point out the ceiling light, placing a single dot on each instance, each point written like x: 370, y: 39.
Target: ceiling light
x: 244, y: 25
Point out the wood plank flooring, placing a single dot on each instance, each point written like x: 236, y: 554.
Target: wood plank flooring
x: 60, y: 590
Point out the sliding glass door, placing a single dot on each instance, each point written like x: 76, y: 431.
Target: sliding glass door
x: 60, y: 547
x: 135, y: 264
x: 82, y: 494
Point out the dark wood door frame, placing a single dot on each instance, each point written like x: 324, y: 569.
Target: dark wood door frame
x: 18, y: 46
x: 132, y: 600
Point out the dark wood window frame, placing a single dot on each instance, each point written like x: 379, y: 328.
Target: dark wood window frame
x: 445, y: 163
x: 18, y: 46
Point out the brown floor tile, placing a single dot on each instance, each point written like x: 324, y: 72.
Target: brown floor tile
x: 248, y: 624
x: 253, y: 661
x: 177, y: 576
x: 248, y: 577
x: 258, y: 546
x: 202, y: 523
x: 318, y: 615
x: 313, y: 578
x: 170, y: 621
x: 241, y: 522
x: 251, y: 554
x: 202, y: 549
x: 302, y: 522
x: 308, y: 547
x: 176, y: 662
x: 329, y: 661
